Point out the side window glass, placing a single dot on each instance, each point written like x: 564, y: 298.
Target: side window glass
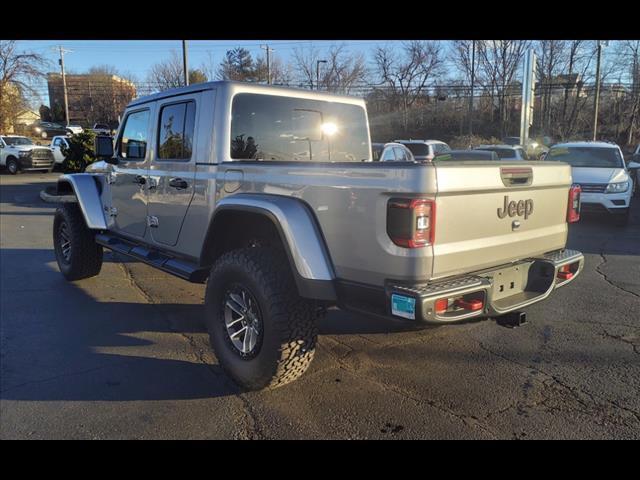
x: 175, y: 135
x: 388, y: 155
x: 400, y: 155
x: 57, y: 143
x: 133, y: 142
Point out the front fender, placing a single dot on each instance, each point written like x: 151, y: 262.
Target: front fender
x: 300, y: 235
x: 86, y: 191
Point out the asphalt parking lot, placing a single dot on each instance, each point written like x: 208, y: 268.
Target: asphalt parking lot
x: 125, y: 355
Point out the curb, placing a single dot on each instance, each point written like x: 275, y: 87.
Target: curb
x: 47, y: 197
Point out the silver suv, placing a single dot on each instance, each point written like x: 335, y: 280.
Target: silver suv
x: 425, y: 150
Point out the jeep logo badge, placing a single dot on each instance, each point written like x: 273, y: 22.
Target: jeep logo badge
x: 513, y: 208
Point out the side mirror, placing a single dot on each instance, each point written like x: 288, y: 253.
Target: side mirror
x: 103, y: 146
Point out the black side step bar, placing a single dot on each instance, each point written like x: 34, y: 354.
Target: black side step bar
x: 178, y: 267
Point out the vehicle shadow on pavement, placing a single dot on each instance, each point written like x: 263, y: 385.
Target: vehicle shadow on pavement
x: 59, y: 343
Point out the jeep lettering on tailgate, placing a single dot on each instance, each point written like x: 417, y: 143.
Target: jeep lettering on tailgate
x: 511, y: 208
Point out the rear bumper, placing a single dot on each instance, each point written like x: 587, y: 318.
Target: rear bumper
x: 501, y: 289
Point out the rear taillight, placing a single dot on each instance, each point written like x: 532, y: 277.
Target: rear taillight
x: 411, y: 221
x: 573, y: 209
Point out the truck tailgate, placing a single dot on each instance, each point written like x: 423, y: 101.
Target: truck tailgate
x: 492, y: 213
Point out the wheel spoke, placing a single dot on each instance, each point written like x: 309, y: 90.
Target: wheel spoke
x: 233, y: 322
x: 234, y: 335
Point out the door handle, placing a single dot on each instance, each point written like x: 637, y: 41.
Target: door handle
x: 178, y: 183
x: 139, y: 179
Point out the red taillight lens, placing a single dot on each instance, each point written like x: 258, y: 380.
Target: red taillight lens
x: 411, y: 221
x: 573, y: 209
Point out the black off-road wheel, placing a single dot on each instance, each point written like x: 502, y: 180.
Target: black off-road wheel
x: 77, y: 253
x: 12, y: 166
x: 263, y: 334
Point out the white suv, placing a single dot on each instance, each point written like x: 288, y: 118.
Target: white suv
x: 599, y: 168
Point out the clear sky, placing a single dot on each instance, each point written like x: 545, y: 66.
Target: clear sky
x: 137, y: 56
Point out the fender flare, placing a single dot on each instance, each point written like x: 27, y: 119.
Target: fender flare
x: 300, y: 235
x: 86, y: 190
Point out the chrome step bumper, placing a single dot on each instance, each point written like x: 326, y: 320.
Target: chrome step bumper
x: 541, y: 281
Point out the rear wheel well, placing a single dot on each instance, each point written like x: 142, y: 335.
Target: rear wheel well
x: 234, y: 229
x: 65, y: 188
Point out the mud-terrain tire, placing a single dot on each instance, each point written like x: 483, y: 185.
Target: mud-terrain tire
x: 286, y: 343
x: 12, y: 166
x: 83, y: 259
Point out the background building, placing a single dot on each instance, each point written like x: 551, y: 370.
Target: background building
x: 93, y: 98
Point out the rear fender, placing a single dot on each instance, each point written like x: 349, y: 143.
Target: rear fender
x: 300, y: 235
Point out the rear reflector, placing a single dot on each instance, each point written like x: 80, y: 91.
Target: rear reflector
x: 471, y: 305
x: 565, y: 272
x: 441, y: 305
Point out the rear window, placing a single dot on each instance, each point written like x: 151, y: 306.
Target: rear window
x: 418, y: 149
x: 269, y: 127
x: 586, y: 156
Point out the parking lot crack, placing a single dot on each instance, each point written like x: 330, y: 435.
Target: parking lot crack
x: 605, y: 277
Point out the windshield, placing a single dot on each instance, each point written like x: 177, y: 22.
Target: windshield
x: 270, y: 127
x: 419, y: 149
x: 501, y: 152
x: 597, y: 157
x: 17, y: 141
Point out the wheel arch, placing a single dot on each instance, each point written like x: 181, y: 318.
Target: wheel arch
x: 286, y: 220
x: 87, y: 191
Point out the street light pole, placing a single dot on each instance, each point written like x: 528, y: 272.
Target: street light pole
x: 318, y: 73
x: 473, y: 72
x: 597, y: 97
x: 184, y: 62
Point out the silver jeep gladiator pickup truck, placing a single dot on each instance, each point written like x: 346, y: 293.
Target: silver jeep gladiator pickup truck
x: 270, y: 196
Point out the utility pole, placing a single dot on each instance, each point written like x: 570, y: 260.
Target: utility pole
x: 318, y: 73
x: 597, y: 97
x: 64, y: 82
x: 473, y: 78
x: 269, y: 50
x: 184, y: 62
x: 528, y: 91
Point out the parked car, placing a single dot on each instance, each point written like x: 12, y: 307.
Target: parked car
x: 634, y: 170
x: 49, y: 129
x: 21, y: 154
x: 75, y: 128
x: 506, y: 152
x: 535, y: 149
x: 600, y: 170
x: 390, y: 152
x: 102, y: 129
x: 425, y: 150
x: 467, y: 156
x: 58, y: 143
x: 208, y: 182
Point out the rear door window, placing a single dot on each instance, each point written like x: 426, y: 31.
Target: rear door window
x: 175, y: 134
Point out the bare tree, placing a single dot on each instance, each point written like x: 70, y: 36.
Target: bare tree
x: 499, y: 61
x: 17, y: 72
x: 407, y: 74
x: 552, y: 59
x: 342, y: 71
